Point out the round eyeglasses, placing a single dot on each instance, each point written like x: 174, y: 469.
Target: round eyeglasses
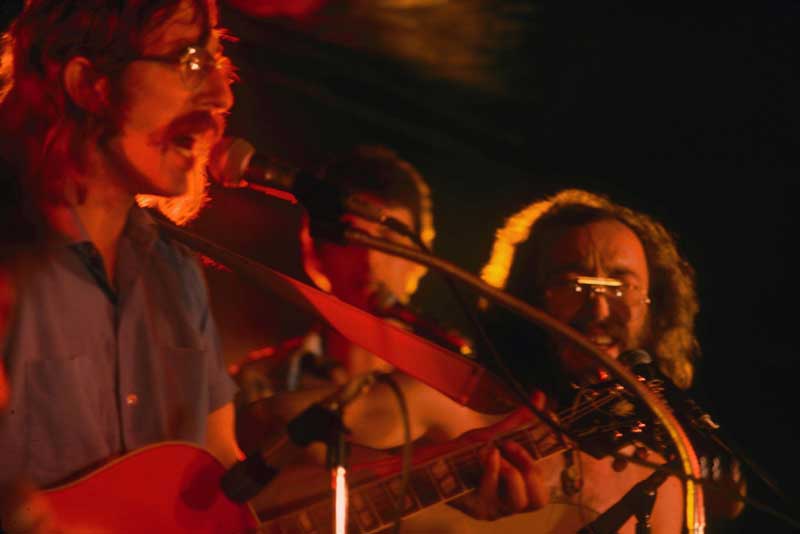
x: 195, y: 64
x: 575, y: 292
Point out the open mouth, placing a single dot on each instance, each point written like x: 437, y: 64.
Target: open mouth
x: 184, y: 144
x: 184, y: 141
x: 602, y: 341
x: 192, y: 130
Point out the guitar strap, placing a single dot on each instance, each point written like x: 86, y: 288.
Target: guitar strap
x: 456, y: 376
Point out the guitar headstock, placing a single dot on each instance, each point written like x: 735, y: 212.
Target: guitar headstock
x: 605, y: 417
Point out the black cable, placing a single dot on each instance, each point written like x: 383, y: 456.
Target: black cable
x: 401, y: 228
x: 406, y: 455
x: 794, y: 523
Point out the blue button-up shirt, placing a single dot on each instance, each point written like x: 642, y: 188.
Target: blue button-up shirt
x: 95, y: 372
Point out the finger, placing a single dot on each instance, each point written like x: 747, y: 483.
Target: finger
x: 530, y: 472
x: 516, y: 494
x: 539, y: 400
x: 491, y: 475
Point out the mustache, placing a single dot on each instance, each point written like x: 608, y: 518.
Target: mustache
x: 611, y: 328
x: 196, y: 122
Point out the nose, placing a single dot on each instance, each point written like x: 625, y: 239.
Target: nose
x: 599, y: 306
x: 215, y: 92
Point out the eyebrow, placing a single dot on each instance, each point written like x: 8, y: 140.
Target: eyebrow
x: 179, y: 44
x: 622, y: 271
x: 615, y: 272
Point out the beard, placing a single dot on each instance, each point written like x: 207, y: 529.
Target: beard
x: 581, y: 366
x: 184, y: 208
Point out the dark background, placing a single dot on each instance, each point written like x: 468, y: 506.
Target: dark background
x: 686, y: 112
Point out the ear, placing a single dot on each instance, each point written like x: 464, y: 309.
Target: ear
x: 86, y: 88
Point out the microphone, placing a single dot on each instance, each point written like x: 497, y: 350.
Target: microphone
x: 720, y: 457
x: 234, y: 163
x: 319, y: 422
x: 641, y: 363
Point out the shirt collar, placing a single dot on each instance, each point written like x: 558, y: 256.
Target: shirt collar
x: 140, y: 228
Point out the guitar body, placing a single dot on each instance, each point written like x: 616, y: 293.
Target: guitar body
x: 165, y: 488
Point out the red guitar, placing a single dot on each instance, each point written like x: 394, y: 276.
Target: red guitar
x: 165, y: 488
x: 175, y: 487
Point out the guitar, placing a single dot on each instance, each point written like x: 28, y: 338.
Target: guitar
x: 164, y: 488
x: 602, y: 421
x: 175, y: 487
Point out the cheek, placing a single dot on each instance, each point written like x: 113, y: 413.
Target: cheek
x: 393, y: 271
x: 637, y: 325
x: 342, y: 263
x: 147, y: 104
x: 563, y: 315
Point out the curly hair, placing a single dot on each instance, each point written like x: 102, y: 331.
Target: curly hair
x: 40, y: 125
x: 522, y: 245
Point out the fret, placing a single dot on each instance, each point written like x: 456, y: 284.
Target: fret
x: 530, y: 446
x: 424, y: 488
x: 550, y: 444
x: 382, y: 501
x: 446, y: 482
x: 361, y: 511
x: 409, y: 504
x: 321, y: 515
x: 468, y: 466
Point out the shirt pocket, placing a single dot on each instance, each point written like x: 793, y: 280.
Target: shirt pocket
x: 71, y: 417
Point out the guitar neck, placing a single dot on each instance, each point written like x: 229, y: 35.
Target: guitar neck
x: 373, y: 507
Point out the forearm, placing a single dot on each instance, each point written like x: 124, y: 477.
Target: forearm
x: 374, y: 418
x: 220, y: 437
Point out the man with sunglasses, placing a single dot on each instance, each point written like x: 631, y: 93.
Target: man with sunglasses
x: 112, y: 345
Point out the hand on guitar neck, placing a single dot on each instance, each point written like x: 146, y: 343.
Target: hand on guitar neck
x: 511, y: 482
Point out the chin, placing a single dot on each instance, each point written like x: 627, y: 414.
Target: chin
x: 181, y: 200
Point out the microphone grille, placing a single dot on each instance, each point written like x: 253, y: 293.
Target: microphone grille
x: 229, y: 160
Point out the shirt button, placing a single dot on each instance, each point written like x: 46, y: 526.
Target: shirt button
x: 132, y: 399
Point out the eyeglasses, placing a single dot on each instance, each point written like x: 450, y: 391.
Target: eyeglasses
x: 574, y: 293
x: 195, y: 64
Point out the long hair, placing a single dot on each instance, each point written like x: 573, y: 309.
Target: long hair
x: 41, y: 126
x: 521, y: 248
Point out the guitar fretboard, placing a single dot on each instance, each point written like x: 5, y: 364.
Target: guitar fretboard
x: 373, y: 507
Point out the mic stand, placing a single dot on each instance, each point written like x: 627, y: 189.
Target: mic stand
x: 334, y: 435
x: 638, y: 501
x: 338, y: 454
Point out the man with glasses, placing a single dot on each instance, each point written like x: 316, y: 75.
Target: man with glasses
x: 112, y: 345
x: 616, y: 276
x: 613, y: 274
